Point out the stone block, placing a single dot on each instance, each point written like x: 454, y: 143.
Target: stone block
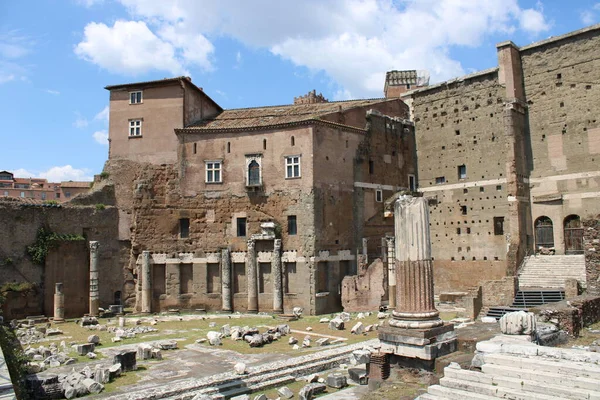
x: 359, y: 375
x: 358, y: 329
x: 240, y: 368
x: 360, y: 357
x: 214, y: 338
x: 322, y: 341
x: 309, y: 391
x: 127, y: 359
x: 83, y: 349
x: 95, y: 339
x: 168, y: 345
x: 336, y: 324
x: 285, y: 392
x: 518, y: 323
x: 336, y: 381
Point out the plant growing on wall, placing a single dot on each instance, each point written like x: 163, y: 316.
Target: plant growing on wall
x: 44, y: 241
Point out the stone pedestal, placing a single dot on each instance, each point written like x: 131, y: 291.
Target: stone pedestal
x: 226, y: 281
x: 146, y: 283
x: 415, y: 330
x: 94, y: 289
x: 251, y: 277
x: 277, y: 278
x: 59, y: 304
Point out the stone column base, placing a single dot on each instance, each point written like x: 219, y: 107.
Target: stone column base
x: 422, y: 344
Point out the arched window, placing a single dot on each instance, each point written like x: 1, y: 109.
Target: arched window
x: 253, y: 173
x: 544, y: 233
x: 573, y: 233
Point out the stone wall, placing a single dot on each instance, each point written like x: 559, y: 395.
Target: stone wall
x: 499, y: 292
x: 591, y: 245
x: 20, y: 223
x: 365, y: 291
x: 573, y: 315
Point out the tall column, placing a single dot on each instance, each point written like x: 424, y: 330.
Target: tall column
x: 226, y: 281
x: 59, y: 304
x: 391, y: 264
x: 94, y: 290
x: 146, y: 283
x: 277, y: 278
x: 415, y: 307
x: 251, y: 278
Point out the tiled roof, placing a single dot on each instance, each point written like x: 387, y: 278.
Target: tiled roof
x: 401, y: 77
x: 72, y: 184
x: 241, y: 118
x: 165, y: 80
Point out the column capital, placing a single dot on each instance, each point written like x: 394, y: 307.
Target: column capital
x: 94, y: 245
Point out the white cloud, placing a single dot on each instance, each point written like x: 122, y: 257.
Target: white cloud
x: 89, y: 3
x: 56, y: 174
x: 221, y: 93
x: 130, y: 47
x: 6, y: 77
x: 80, y: 122
x: 101, y: 137
x: 53, y: 92
x: 13, y: 48
x: 102, y: 115
x: 354, y: 42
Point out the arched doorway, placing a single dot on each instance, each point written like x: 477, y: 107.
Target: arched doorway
x: 544, y: 233
x: 573, y: 235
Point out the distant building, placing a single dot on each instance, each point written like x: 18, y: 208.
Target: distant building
x: 39, y: 188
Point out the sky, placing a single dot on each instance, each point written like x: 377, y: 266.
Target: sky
x: 56, y: 57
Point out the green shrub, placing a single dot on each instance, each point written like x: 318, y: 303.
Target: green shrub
x: 104, y: 175
x: 44, y: 241
x: 100, y: 207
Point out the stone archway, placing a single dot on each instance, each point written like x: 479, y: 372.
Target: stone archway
x: 544, y: 233
x: 573, y: 233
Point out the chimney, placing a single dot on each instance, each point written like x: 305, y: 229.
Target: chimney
x: 311, y: 98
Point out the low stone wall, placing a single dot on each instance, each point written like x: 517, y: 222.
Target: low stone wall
x: 499, y: 293
x: 573, y: 315
x: 18, y: 305
x: 591, y: 245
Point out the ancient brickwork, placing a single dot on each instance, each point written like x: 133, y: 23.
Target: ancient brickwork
x: 561, y: 81
x: 591, y: 245
x: 460, y: 125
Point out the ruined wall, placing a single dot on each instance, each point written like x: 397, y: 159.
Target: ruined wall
x: 561, y: 83
x: 462, y: 124
x: 591, y: 245
x: 20, y: 223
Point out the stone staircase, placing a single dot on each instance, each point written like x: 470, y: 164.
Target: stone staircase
x: 526, y: 375
x: 550, y: 272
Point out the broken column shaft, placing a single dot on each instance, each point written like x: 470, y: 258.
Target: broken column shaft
x: 59, y: 303
x: 94, y: 290
x: 146, y: 283
x: 415, y: 307
x: 226, y: 280
x: 252, y: 278
x: 277, y: 278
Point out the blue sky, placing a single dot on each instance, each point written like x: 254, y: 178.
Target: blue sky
x: 56, y: 56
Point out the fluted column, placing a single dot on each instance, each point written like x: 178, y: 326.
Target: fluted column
x: 146, y: 283
x: 94, y: 290
x: 391, y: 261
x: 226, y: 281
x: 277, y: 278
x: 252, y: 278
x: 59, y: 303
x: 415, y: 307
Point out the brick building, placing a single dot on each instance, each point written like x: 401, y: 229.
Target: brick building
x: 206, y: 179
x: 509, y: 157
x: 40, y: 189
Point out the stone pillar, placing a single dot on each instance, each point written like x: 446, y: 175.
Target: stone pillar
x: 146, y: 283
x: 415, y: 307
x: 226, y: 281
x: 251, y: 278
x: 391, y: 264
x: 94, y: 290
x: 277, y: 278
x: 59, y: 304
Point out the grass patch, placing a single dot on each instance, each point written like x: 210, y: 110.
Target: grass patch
x: 126, y: 379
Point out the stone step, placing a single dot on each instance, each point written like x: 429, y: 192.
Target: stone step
x: 260, y: 386
x: 491, y: 390
x: 541, y: 376
x: 441, y: 392
x: 519, y: 384
x: 563, y: 366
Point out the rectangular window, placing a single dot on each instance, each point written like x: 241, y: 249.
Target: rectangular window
x: 58, y: 195
x: 213, y: 278
x: 412, y: 183
x: 43, y: 196
x: 371, y: 167
x: 440, y: 179
x: 135, y: 97
x: 498, y: 187
x: 67, y: 194
x: 379, y: 195
x: 186, y: 278
x: 22, y: 194
x: 241, y: 227
x: 322, y: 277
x: 6, y: 193
x: 292, y: 167
x: 463, y: 210
x: 462, y: 172
x: 135, y: 127
x: 213, y: 172
x: 184, y: 228
x: 292, y: 227
x: 498, y: 225
x: 239, y: 278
